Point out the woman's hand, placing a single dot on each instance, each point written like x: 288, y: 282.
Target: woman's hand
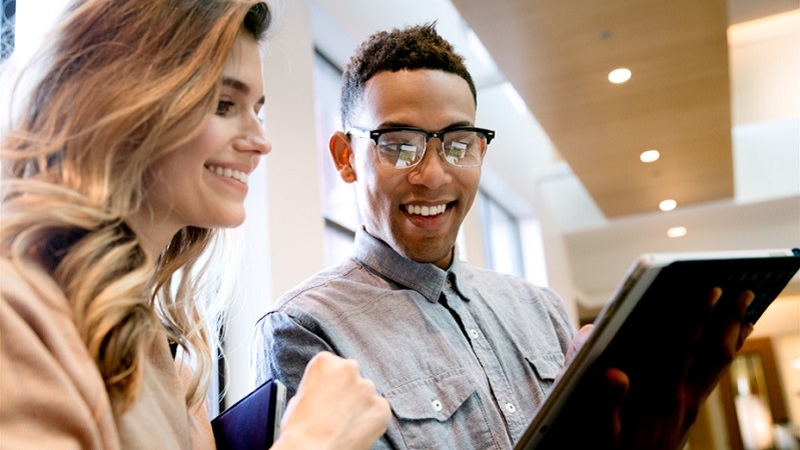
x: 334, y: 408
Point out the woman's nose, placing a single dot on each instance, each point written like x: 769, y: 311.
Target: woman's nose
x: 254, y: 138
x: 260, y: 143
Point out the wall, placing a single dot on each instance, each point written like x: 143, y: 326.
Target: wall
x: 284, y: 227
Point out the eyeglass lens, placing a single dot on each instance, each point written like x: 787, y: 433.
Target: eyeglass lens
x: 406, y: 148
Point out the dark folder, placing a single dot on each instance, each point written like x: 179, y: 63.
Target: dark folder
x: 252, y: 422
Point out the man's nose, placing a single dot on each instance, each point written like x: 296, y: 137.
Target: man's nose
x: 432, y: 171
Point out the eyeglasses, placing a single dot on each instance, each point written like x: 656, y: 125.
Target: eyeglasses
x: 404, y: 147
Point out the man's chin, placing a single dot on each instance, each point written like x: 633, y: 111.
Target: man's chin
x: 424, y: 253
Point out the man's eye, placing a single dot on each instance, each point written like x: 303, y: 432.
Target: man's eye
x: 398, y: 146
x: 457, y: 149
x: 223, y: 107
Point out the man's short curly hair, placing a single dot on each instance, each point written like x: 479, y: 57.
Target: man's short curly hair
x: 412, y: 48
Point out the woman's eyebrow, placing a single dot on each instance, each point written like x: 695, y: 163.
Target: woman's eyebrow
x: 240, y: 86
x: 236, y: 84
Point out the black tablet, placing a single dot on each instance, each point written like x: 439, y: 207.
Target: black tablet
x: 643, y: 330
x: 252, y: 422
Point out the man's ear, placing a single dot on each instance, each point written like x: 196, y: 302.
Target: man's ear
x: 342, y: 154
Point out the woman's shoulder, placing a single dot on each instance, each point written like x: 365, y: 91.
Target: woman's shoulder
x: 49, y: 380
x: 36, y: 314
x: 25, y: 285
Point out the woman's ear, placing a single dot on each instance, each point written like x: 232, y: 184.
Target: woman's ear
x: 342, y: 155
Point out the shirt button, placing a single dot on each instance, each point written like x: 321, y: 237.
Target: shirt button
x: 473, y: 333
x: 510, y: 407
x: 448, y: 284
x: 437, y: 405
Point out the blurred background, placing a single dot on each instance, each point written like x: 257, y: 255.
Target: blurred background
x: 695, y: 148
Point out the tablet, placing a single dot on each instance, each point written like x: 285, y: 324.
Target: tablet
x: 254, y: 421
x: 643, y: 330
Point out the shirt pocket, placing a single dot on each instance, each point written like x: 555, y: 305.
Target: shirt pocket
x: 546, y: 367
x: 441, y: 412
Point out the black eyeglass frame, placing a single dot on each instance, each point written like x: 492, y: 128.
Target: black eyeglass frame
x: 374, y: 135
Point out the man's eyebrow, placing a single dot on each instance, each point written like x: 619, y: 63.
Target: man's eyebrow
x: 393, y: 124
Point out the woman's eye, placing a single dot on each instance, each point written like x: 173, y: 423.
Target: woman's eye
x: 223, y: 106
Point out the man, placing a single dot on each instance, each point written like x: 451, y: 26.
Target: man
x: 463, y: 355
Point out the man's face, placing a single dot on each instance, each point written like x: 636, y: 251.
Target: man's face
x: 417, y: 210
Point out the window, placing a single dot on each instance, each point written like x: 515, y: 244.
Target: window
x: 7, y: 28
x: 339, y: 206
x: 501, y: 237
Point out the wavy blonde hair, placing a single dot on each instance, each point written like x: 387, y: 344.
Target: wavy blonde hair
x: 125, y: 83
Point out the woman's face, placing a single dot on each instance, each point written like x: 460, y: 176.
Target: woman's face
x: 203, y: 183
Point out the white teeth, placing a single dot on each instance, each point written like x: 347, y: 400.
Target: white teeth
x: 229, y: 173
x: 426, y: 210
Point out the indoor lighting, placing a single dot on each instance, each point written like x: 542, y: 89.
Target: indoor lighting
x: 515, y: 99
x: 667, y: 205
x: 676, y: 232
x: 620, y: 75
x: 650, y: 156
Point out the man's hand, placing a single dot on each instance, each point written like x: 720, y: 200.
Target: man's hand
x: 659, y: 415
x: 651, y: 399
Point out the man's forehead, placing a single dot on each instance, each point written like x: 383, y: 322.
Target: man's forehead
x: 410, y: 96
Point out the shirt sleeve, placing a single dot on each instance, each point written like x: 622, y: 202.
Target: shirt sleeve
x: 282, y: 348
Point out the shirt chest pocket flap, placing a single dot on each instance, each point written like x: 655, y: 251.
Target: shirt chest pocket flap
x: 546, y: 366
x: 436, y: 398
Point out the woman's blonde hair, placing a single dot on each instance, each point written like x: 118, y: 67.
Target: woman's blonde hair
x: 126, y: 83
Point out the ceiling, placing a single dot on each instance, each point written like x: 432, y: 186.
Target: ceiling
x: 558, y: 55
x: 745, y: 10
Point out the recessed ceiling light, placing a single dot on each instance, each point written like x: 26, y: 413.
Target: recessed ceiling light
x: 668, y: 205
x: 650, y: 156
x: 676, y: 232
x: 620, y: 75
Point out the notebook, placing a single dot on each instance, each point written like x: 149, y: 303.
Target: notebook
x: 253, y: 421
x: 640, y: 330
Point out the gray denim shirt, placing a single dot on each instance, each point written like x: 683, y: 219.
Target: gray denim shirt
x: 463, y: 356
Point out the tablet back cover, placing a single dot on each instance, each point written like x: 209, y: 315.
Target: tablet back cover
x: 654, y: 339
x: 253, y: 421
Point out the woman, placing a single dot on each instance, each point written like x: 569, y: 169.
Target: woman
x: 134, y: 148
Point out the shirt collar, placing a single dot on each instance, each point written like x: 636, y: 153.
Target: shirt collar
x: 425, y: 278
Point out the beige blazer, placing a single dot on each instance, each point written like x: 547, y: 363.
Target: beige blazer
x: 52, y: 395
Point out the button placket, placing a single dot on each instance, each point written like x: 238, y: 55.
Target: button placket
x: 489, y: 361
